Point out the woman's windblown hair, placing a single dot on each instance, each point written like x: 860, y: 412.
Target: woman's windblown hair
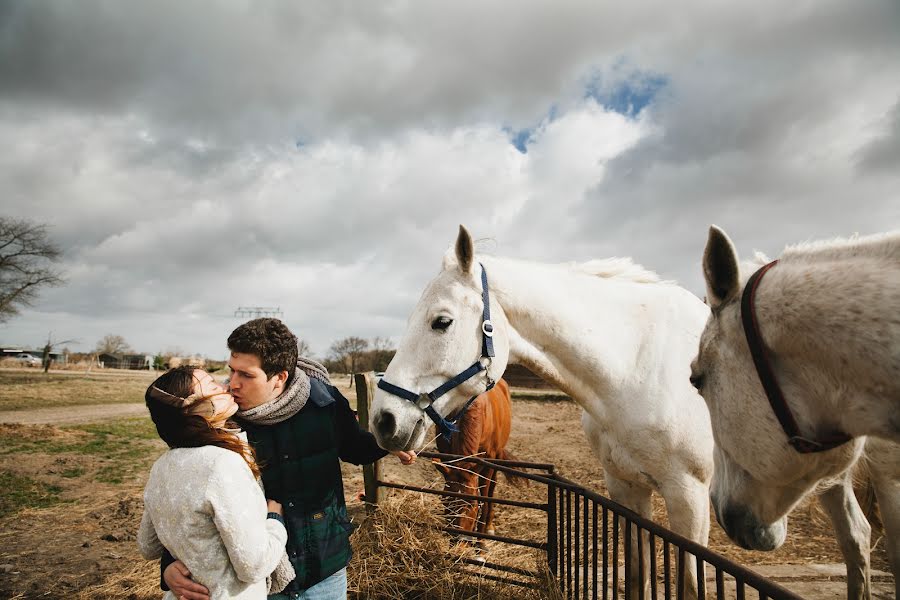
x: 180, y: 429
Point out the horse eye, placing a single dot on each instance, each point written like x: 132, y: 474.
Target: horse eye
x: 441, y: 323
x: 697, y: 381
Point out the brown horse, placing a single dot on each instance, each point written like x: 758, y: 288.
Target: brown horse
x: 483, y: 431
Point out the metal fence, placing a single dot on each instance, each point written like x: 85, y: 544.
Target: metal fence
x: 595, y: 548
x: 598, y: 549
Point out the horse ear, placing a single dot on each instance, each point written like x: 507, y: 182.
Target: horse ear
x: 720, y: 268
x: 465, y: 250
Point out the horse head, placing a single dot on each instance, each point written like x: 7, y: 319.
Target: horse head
x: 444, y: 337
x: 758, y: 477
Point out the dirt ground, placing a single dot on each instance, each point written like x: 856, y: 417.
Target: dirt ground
x: 71, y: 550
x: 547, y: 431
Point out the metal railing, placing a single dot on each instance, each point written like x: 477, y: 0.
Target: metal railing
x: 599, y: 549
x: 595, y: 548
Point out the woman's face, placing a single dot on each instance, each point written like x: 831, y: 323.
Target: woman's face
x: 222, y: 402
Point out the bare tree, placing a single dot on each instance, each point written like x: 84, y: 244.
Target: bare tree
x: 382, y: 353
x: 303, y: 348
x: 48, y: 349
x: 112, y: 344
x: 26, y: 257
x: 349, y: 352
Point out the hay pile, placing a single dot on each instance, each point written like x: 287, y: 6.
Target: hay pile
x: 141, y: 582
x: 399, y: 552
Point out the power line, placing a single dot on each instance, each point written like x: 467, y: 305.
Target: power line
x: 254, y: 312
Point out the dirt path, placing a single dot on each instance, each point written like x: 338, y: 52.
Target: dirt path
x: 69, y: 415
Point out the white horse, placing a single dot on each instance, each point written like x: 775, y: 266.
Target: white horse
x: 608, y: 333
x: 828, y: 316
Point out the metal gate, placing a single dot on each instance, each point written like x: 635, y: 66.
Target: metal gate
x: 593, y: 545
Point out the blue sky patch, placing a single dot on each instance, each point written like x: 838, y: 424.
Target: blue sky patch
x: 628, y: 97
x: 521, y: 137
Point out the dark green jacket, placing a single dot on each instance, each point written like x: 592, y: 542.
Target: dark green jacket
x: 300, y: 463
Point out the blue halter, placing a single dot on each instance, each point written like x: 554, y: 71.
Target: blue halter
x: 425, y: 401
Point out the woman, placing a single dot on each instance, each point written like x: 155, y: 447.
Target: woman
x: 202, y: 501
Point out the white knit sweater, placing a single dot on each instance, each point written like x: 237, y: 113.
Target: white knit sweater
x: 205, y: 506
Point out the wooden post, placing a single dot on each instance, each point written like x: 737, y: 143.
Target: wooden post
x: 365, y: 391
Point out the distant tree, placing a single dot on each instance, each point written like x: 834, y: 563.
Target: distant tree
x: 48, y: 349
x: 303, y: 348
x: 349, y: 352
x: 112, y: 344
x: 26, y: 258
x: 381, y: 354
x: 213, y: 366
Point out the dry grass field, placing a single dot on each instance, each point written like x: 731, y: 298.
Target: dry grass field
x: 22, y: 389
x: 70, y: 492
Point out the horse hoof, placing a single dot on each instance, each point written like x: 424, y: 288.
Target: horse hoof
x: 490, y: 532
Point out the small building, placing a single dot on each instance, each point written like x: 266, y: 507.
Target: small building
x: 179, y: 361
x: 14, y: 351
x: 520, y: 376
x: 109, y: 360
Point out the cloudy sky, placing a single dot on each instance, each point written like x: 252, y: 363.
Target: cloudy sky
x: 194, y: 157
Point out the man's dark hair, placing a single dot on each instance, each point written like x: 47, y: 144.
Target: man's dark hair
x: 270, y: 340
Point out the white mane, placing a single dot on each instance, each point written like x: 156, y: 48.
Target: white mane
x: 880, y: 246
x: 617, y: 268
x: 608, y: 268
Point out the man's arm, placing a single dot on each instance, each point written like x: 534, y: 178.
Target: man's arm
x: 177, y: 578
x: 355, y: 445
x: 164, y: 562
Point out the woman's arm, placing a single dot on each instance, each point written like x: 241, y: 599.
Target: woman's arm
x: 150, y: 546
x: 254, y: 543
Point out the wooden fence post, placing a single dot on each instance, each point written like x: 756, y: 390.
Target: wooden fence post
x: 365, y: 391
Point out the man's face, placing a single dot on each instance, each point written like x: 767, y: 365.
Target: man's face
x: 249, y: 384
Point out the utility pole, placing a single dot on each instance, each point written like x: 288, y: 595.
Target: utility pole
x: 254, y: 312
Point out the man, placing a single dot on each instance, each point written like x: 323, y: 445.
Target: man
x: 300, y: 427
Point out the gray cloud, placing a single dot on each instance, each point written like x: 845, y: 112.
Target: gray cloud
x: 194, y: 157
x: 883, y: 152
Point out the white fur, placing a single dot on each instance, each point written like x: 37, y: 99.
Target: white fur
x: 608, y: 333
x: 829, y: 316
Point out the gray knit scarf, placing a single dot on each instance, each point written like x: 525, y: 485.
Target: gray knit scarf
x: 291, y: 400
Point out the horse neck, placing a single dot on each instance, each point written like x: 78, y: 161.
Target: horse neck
x: 835, y: 344
x: 546, y: 322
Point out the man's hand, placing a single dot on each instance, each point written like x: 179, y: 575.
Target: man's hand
x: 407, y: 458
x: 274, y: 507
x: 178, y: 578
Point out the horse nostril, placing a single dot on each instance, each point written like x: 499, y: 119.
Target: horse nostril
x: 385, y: 424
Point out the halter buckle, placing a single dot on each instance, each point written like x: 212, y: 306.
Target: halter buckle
x: 487, y: 328
x: 424, y: 401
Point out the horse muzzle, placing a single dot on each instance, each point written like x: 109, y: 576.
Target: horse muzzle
x: 392, y: 435
x: 747, y: 531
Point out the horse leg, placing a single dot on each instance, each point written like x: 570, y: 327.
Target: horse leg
x: 489, y: 520
x: 883, y: 458
x: 687, y: 504
x: 485, y: 514
x: 638, y: 499
x: 852, y: 531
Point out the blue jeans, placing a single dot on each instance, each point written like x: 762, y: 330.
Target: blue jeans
x: 333, y: 587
